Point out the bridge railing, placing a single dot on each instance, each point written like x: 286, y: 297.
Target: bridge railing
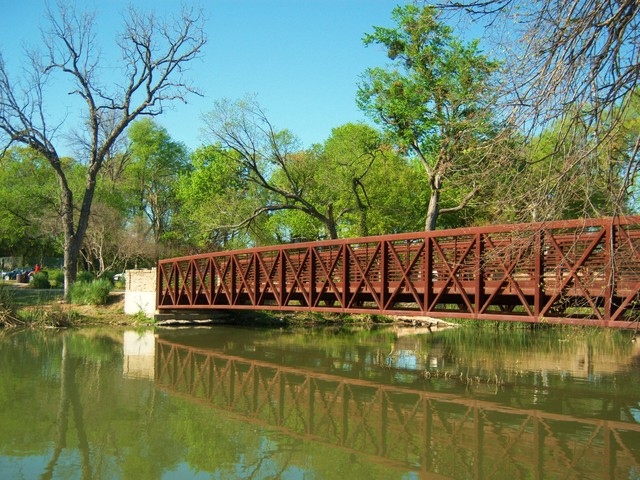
x: 577, y: 272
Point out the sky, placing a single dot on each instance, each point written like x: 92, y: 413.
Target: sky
x: 302, y: 59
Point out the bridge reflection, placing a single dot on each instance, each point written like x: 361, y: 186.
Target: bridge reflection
x: 437, y: 435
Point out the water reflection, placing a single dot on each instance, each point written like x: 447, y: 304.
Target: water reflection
x: 449, y: 407
x: 242, y: 403
x: 139, y: 350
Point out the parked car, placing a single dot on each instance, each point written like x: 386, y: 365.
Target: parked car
x: 118, y: 277
x: 15, y: 272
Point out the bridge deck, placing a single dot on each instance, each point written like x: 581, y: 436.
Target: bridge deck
x: 573, y: 272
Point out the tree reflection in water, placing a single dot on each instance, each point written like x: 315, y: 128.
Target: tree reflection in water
x: 245, y: 403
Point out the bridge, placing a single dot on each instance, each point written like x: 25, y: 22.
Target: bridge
x: 579, y: 272
x: 435, y: 434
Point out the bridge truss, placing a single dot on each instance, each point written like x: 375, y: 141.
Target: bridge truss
x: 583, y: 272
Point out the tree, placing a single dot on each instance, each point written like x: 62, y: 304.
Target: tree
x: 380, y: 184
x: 156, y: 165
x: 574, y: 60
x: 273, y: 162
x: 435, y: 101
x: 154, y: 55
x: 215, y: 195
x: 29, y: 210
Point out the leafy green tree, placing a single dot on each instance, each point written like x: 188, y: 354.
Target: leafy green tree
x: 258, y: 180
x: 214, y: 195
x: 435, y: 102
x: 156, y: 165
x: 379, y: 184
x: 29, y: 204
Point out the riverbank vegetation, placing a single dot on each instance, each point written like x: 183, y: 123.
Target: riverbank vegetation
x: 90, y: 303
x: 454, y: 142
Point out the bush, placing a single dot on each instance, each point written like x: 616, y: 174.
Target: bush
x: 40, y: 280
x: 85, y: 276
x: 108, y: 274
x: 56, y: 278
x: 90, y: 293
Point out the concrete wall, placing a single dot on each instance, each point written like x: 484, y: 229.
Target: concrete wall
x: 140, y: 292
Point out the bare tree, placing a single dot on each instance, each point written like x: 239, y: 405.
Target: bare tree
x: 575, y: 62
x: 272, y: 161
x: 154, y: 54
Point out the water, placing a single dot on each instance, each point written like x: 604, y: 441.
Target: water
x: 228, y: 403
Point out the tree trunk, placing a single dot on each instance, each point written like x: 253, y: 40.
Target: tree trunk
x: 71, y: 254
x: 74, y: 237
x: 433, y: 210
x: 330, y: 223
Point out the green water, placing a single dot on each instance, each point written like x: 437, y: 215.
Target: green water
x: 228, y: 403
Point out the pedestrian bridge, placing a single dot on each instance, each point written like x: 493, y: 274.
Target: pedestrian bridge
x: 581, y: 272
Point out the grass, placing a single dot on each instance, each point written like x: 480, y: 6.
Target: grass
x: 8, y: 313
x: 25, y: 297
x: 47, y: 308
x: 90, y: 293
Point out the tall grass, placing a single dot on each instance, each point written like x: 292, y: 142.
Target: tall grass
x: 90, y: 293
x: 40, y: 316
x: 8, y: 315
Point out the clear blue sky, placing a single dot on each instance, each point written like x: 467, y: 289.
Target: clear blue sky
x: 301, y: 58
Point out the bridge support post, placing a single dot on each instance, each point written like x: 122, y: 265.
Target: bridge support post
x: 479, y: 274
x: 609, y: 270
x: 538, y: 269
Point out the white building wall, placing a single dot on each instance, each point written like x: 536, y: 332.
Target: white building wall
x: 140, y: 292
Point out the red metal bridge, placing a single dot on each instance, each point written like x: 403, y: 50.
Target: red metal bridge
x: 581, y: 272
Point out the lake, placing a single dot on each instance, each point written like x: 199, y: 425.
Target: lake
x: 228, y: 402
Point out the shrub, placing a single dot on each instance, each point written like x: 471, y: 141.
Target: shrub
x: 56, y: 278
x: 108, y: 274
x: 40, y: 280
x: 85, y: 276
x: 90, y: 293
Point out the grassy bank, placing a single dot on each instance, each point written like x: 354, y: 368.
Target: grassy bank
x: 22, y: 306
x: 46, y: 308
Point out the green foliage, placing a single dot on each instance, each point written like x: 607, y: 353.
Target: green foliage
x: 434, y: 101
x: 158, y: 162
x: 215, y: 195
x: 264, y: 190
x: 90, y: 293
x: 28, y: 204
x: 56, y: 278
x: 40, y: 280
x: 85, y: 276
